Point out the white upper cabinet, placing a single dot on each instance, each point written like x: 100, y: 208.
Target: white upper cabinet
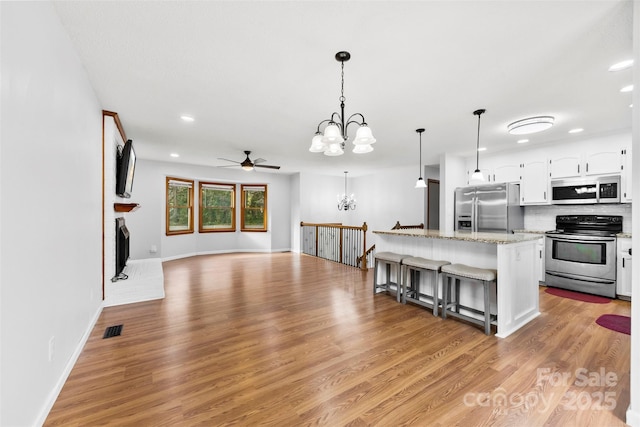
x: 600, y: 156
x: 499, y: 169
x: 534, y: 184
x: 507, y: 173
x: 565, y: 166
x: 605, y: 161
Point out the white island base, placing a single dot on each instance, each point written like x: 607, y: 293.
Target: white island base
x: 516, y: 301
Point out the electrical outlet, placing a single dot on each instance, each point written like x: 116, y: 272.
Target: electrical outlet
x: 52, y: 342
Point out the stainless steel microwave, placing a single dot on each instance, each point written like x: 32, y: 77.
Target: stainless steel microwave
x: 603, y: 189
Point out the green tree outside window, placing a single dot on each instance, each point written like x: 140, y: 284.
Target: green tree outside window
x: 254, y: 208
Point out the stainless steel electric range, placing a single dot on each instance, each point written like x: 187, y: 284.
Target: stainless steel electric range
x: 581, y: 253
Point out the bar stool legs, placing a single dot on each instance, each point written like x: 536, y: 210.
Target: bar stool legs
x: 473, y: 275
x: 388, y: 259
x: 415, y: 266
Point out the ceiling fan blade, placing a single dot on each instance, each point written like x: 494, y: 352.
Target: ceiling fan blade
x: 259, y: 160
x: 228, y: 166
x: 266, y: 166
x: 227, y: 160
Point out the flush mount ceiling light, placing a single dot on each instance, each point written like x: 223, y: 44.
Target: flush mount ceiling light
x: 420, y: 182
x: 174, y: 155
x: 477, y: 175
x: 576, y: 130
x: 187, y: 118
x: 627, y: 89
x: 331, y: 142
x: 530, y: 125
x: 622, y: 65
x: 522, y: 141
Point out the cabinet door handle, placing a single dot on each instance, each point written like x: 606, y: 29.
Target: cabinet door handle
x: 587, y: 167
x: 545, y: 196
x: 622, y: 262
x: 578, y: 168
x: 629, y: 251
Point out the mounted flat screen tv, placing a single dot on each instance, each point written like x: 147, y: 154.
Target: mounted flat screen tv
x: 125, y: 169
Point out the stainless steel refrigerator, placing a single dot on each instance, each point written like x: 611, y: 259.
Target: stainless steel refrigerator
x: 489, y: 208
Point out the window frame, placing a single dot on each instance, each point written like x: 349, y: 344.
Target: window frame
x: 203, y: 185
x: 243, y: 188
x: 188, y: 183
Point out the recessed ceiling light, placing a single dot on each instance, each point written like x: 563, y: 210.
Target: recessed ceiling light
x: 530, y: 125
x: 522, y: 141
x: 175, y: 155
x: 630, y: 105
x: 576, y: 130
x: 187, y: 118
x: 627, y: 88
x: 482, y: 149
x: 622, y: 65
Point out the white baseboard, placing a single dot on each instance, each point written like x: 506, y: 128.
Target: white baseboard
x: 53, y: 395
x: 227, y: 251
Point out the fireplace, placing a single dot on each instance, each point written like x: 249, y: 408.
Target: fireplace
x: 122, y: 248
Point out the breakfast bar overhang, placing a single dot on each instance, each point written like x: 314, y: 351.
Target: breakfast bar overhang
x: 516, y: 301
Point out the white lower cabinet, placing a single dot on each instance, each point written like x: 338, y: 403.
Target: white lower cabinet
x: 539, y: 267
x: 623, y: 285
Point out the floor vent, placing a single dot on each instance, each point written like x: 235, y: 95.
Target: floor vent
x: 112, y: 331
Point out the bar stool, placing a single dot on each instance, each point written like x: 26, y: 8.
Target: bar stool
x: 388, y: 259
x: 414, y: 266
x: 475, y: 276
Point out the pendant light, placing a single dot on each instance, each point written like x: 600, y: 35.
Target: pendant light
x: 477, y: 175
x: 420, y: 182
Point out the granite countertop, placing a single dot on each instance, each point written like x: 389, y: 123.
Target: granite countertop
x: 495, y: 238
x: 624, y: 235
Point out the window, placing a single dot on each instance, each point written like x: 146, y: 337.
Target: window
x: 217, y: 207
x: 179, y: 206
x: 254, y: 208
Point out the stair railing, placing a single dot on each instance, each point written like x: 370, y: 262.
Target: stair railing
x: 336, y: 242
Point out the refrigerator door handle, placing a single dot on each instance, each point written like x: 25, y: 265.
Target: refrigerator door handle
x: 473, y: 213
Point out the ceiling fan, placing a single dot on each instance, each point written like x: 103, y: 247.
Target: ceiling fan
x: 247, y: 164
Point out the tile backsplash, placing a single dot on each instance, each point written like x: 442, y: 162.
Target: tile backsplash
x: 543, y: 218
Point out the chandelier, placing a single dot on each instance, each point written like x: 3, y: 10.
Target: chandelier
x: 346, y: 202
x: 332, y: 141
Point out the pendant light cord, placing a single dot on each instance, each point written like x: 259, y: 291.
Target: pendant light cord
x: 478, y: 146
x: 420, y: 165
x: 478, y: 113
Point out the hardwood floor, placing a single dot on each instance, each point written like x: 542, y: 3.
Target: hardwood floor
x: 292, y: 340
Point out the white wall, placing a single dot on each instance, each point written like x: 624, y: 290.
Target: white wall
x: 147, y: 224
x: 382, y: 199
x: 50, y: 217
x: 453, y: 174
x: 633, y: 414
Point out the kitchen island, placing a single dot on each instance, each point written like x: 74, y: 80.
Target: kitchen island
x: 516, y: 301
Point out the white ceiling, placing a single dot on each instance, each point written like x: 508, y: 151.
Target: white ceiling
x: 261, y: 75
